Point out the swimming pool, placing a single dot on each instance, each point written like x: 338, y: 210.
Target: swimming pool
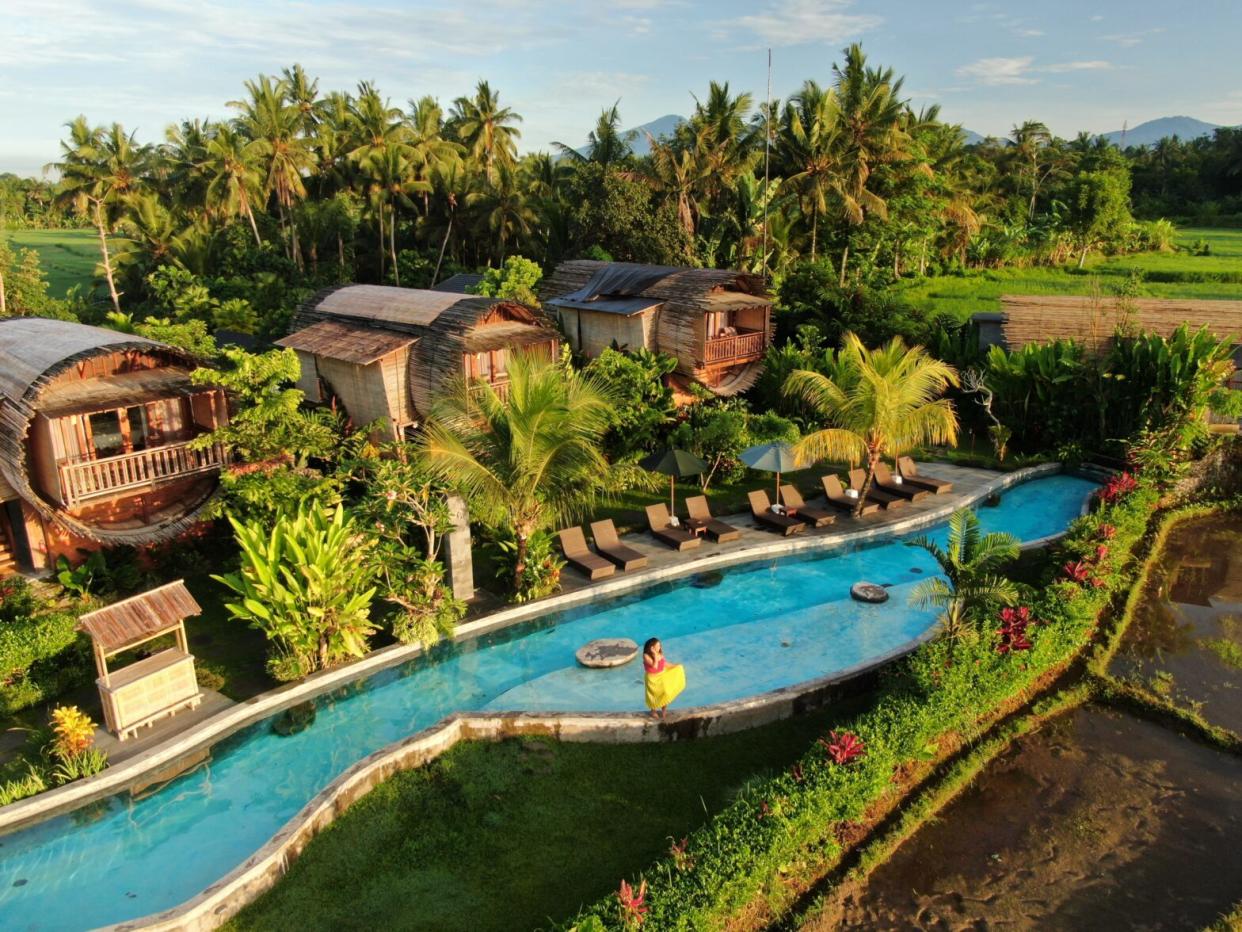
x: 741, y: 632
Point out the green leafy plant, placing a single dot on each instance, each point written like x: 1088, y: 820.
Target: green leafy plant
x: 307, y: 584
x: 540, y: 574
x: 428, y: 610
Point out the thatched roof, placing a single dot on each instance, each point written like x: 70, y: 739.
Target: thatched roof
x: 409, y: 310
x: 1042, y: 319
x: 139, y: 618
x: 33, y: 352
x: 120, y: 390
x: 679, y: 298
x: 359, y: 344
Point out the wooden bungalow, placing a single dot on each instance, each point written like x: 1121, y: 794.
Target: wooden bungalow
x: 716, y: 323
x: 386, y: 352
x: 95, y: 428
x: 1094, y: 323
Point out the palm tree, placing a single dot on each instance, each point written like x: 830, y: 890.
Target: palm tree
x: 679, y: 174
x: 527, y: 461
x: 486, y: 129
x: 235, y: 178
x: 1030, y: 142
x: 393, y: 182
x: 431, y: 153
x: 723, y: 137
x: 99, y: 169
x: 276, y: 125
x: 970, y: 584
x: 809, y: 145
x: 506, y: 206
x: 606, y: 144
x: 880, y: 402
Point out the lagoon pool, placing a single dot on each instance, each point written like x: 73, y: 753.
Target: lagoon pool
x: 742, y: 631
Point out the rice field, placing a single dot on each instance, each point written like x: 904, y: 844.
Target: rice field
x: 1178, y: 274
x: 68, y: 257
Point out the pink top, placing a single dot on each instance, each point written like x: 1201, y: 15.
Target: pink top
x: 657, y: 668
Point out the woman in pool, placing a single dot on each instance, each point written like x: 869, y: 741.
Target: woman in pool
x: 664, y: 681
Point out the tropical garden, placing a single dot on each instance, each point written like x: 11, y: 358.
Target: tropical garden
x: 325, y: 545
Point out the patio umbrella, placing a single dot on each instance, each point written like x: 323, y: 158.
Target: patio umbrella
x: 674, y: 464
x: 771, y: 457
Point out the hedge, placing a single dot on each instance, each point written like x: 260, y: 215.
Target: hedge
x: 937, y: 699
x: 41, y: 654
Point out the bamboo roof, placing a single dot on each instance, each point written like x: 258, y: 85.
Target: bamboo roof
x: 34, y: 351
x: 358, y: 344
x: 461, y: 283
x: 1041, y: 319
x: 116, y: 391
x: 139, y: 618
x: 510, y: 334
x: 380, y: 305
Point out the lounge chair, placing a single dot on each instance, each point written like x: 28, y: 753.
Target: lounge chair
x: 676, y: 537
x: 888, y: 502
x: 885, y: 481
x: 718, y: 531
x: 579, y: 556
x: 609, y: 546
x: 838, y: 499
x: 910, y: 473
x: 761, y: 510
x: 816, y: 517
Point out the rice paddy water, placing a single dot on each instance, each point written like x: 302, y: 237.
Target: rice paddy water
x: 740, y: 632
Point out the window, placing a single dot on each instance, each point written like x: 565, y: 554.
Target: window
x: 106, y: 437
x: 137, y: 417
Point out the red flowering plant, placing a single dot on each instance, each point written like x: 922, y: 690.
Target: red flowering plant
x: 1012, y: 631
x: 681, y: 857
x: 1108, y: 531
x: 633, y: 904
x: 1076, y: 571
x: 843, y: 747
x: 1118, y: 487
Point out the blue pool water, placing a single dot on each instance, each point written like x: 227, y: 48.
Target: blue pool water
x: 740, y: 632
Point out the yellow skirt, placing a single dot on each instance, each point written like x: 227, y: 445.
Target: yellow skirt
x: 665, y: 686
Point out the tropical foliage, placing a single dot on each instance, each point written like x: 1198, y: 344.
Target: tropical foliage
x: 876, y: 403
x: 308, y: 585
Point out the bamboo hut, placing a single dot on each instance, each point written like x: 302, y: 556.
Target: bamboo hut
x: 156, y: 686
x: 716, y: 323
x: 95, y: 427
x: 386, y: 352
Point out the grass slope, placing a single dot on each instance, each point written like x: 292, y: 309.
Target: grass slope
x: 68, y: 257
x: 512, y: 835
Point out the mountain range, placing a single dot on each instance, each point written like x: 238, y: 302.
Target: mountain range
x: 1144, y: 134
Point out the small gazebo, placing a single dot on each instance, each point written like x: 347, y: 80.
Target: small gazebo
x: 156, y: 686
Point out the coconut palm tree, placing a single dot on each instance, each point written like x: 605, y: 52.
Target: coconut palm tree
x: 486, y: 129
x: 504, y: 203
x: 275, y: 125
x: 879, y: 402
x: 526, y: 461
x: 393, y: 182
x: 606, y: 144
x: 430, y: 152
x: 99, y: 169
x: 809, y: 150
x: 970, y: 583
x: 234, y: 175
x: 679, y: 173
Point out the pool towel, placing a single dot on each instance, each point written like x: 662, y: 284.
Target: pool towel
x: 665, y: 685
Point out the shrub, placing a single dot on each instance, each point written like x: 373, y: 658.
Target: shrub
x: 41, y: 653
x: 428, y: 610
x: 542, y: 574
x: 20, y: 787
x: 73, y: 737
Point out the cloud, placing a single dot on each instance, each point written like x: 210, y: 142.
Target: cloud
x: 1023, y: 70
x: 1131, y: 39
x: 802, y: 22
x: 1063, y: 67
x: 1029, y: 33
x: 997, y: 71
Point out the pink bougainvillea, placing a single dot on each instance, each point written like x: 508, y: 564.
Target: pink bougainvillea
x: 843, y: 747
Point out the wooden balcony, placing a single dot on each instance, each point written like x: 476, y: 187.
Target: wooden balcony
x: 501, y: 388
x: 740, y: 348
x: 92, y: 479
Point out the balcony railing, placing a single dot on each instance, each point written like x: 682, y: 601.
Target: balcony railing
x: 742, y: 346
x: 501, y: 388
x: 89, y: 479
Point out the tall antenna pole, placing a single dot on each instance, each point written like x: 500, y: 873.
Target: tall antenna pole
x: 767, y: 153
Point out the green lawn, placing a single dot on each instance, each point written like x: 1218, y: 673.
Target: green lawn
x: 964, y: 295
x: 68, y: 257
x: 509, y: 836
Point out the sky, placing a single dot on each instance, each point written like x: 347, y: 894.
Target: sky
x: 1075, y: 64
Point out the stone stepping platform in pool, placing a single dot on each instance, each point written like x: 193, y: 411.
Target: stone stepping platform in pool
x: 607, y: 652
x: 967, y: 481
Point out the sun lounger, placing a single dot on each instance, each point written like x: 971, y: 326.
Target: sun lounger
x: 676, y: 537
x: 880, y: 497
x: 816, y: 517
x: 885, y: 481
x: 609, y: 546
x: 761, y: 510
x: 837, y: 498
x: 579, y: 556
x: 910, y: 473
x: 718, y: 531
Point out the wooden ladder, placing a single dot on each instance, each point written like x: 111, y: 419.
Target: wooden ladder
x: 8, y: 562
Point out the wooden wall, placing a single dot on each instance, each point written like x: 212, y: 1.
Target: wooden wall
x: 591, y: 333
x: 375, y: 392
x: 308, y: 377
